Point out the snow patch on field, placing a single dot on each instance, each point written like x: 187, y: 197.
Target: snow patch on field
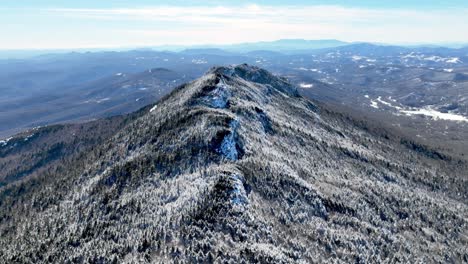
x: 199, y: 61
x: 357, y: 58
x: 374, y: 104
x: 387, y: 103
x: 426, y: 111
x: 436, y: 115
x: 102, y: 100
x: 305, y: 69
x: 433, y: 58
x: 306, y: 85
x: 453, y: 60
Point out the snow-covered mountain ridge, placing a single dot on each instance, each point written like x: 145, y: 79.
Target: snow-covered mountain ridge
x: 237, y: 166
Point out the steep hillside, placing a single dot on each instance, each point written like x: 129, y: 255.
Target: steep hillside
x: 44, y: 148
x: 237, y: 166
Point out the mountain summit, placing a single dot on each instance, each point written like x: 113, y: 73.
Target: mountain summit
x: 237, y: 167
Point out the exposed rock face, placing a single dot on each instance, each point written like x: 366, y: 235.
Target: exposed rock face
x: 229, y: 146
x: 218, y: 98
x: 236, y: 166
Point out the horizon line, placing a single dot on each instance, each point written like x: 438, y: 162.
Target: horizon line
x: 221, y: 46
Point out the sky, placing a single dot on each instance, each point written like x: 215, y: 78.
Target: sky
x: 54, y: 24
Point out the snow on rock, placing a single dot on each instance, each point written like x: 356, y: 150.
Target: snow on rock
x: 4, y: 142
x: 228, y: 146
x: 28, y: 137
x: 448, y: 70
x: 374, y: 104
x: 219, y: 97
x: 238, y: 193
x: 153, y: 108
x: 265, y: 121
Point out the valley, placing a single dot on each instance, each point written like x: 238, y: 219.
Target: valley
x: 420, y: 92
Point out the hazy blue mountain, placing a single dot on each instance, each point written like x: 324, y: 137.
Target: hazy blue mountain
x: 286, y: 45
x: 207, y: 51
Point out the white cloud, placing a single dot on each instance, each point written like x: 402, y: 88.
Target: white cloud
x: 226, y: 24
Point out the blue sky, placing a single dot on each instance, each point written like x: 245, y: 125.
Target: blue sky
x: 140, y: 3
x: 53, y: 24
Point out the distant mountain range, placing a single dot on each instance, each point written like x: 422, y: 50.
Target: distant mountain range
x: 287, y: 46
x: 420, y: 90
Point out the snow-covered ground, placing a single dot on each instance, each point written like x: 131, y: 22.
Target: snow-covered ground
x: 374, y: 104
x: 388, y: 103
x: 453, y: 60
x: 306, y: 85
x: 433, y: 58
x: 102, y: 100
x: 312, y: 70
x: 426, y: 111
x: 199, y: 61
x: 357, y: 58
x: 435, y: 114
